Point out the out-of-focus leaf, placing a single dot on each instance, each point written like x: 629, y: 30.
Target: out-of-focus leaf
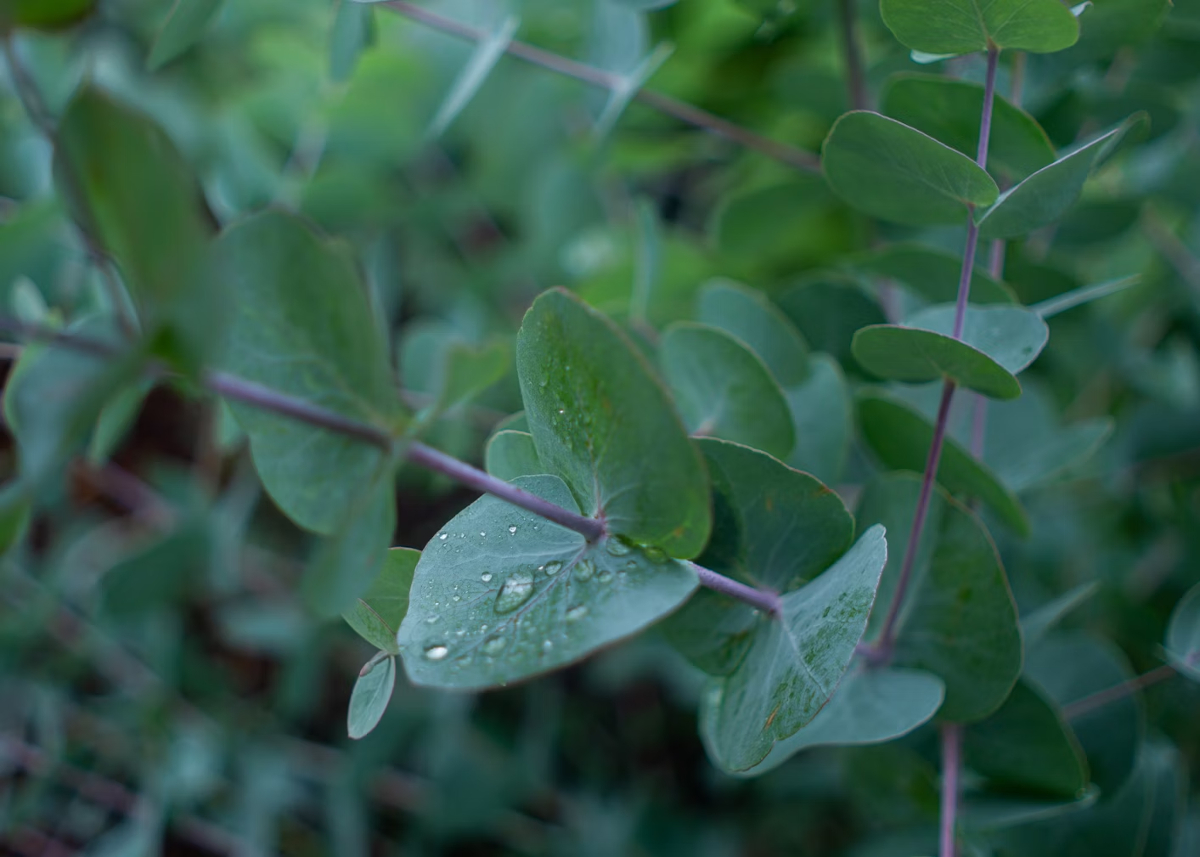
x: 965, y: 26
x: 352, y: 32
x: 1183, y: 634
x: 828, y: 313
x: 43, y: 14
x: 1044, y: 619
x: 510, y: 454
x: 932, y: 274
x: 823, y: 413
x: 183, y: 27
x: 474, y: 74
x: 751, y: 317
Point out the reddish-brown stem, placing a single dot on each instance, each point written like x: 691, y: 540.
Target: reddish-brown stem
x: 951, y: 767
x: 1080, y: 707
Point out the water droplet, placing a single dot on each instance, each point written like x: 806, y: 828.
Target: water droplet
x: 432, y: 620
x: 456, y: 598
x: 483, y: 535
x: 631, y: 564
x: 547, y: 646
x: 493, y: 645
x: 605, y: 576
x: 444, y: 536
x: 562, y: 410
x: 486, y: 577
x: 552, y: 568
x: 656, y: 555
x: 483, y: 628
x: 543, y: 383
x: 460, y: 632
x: 585, y: 570
x: 436, y: 653
x: 577, y: 612
x: 517, y: 589
x: 617, y: 547
x: 512, y: 531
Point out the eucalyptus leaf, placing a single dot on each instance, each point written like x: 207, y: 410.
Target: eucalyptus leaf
x: 901, y: 437
x: 750, y: 316
x: 44, y: 14
x: 958, y: 620
x: 370, y: 697
x: 872, y: 705
x: 794, y: 662
x: 965, y: 26
x: 501, y: 595
x: 510, y: 454
x: 1046, y: 195
x: 823, y: 414
x: 894, y: 172
x: 724, y: 390
x: 304, y: 326
x: 1183, y: 634
x: 378, y: 612
x: 594, y: 407
x: 1044, y: 619
x: 474, y: 74
x: 932, y: 274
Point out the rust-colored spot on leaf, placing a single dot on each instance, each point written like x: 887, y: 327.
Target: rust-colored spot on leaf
x: 771, y: 718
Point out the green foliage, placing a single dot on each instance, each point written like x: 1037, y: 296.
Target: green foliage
x: 274, y: 278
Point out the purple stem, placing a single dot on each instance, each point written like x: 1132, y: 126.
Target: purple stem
x: 882, y: 651
x: 763, y: 599
x: 856, y: 80
x: 951, y: 765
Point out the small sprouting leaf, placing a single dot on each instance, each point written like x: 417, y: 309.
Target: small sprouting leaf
x: 965, y: 26
x: 751, y: 317
x: 959, y: 620
x: 1046, y: 195
x: 794, y: 662
x: 889, y: 170
x: 117, y: 418
x: 774, y: 528
x: 304, y: 327
x: 352, y: 32
x: 823, y: 413
x: 594, y: 409
x: 901, y: 436
x: 183, y: 28
x: 948, y: 110
x: 128, y: 187
x: 473, y: 75
x: 1070, y: 667
x: 932, y: 274
x: 345, y: 562
x: 510, y: 454
x: 1044, y: 619
x: 378, y: 612
x: 501, y: 594
x: 1084, y: 295
x: 43, y: 14
x: 724, y: 390
x: 1027, y: 744
x: 370, y: 697
x: 626, y: 87
x: 997, y: 343
x: 871, y: 705
x: 1183, y: 634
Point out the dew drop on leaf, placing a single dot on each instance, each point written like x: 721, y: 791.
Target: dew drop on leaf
x: 577, y: 612
x: 493, y: 645
x: 517, y: 589
x: 552, y: 568
x: 605, y: 576
x: 436, y: 653
x: 585, y: 570
x: 444, y: 536
x: 512, y: 531
x: 616, y: 547
x: 486, y: 577
x: 432, y: 620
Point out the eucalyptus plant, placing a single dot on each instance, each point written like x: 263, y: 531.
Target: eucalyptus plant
x: 835, y: 503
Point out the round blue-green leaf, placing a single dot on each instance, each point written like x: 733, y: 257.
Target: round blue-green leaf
x: 965, y: 26
x: 1046, y: 195
x: 773, y: 528
x: 948, y: 110
x: 795, y: 662
x: 303, y: 325
x: 1027, y: 744
x: 501, y: 594
x: 872, y: 705
x: 894, y: 172
x: 723, y: 389
x: 370, y: 697
x: 510, y: 454
x: 595, y: 409
x: 932, y: 274
x: 901, y: 436
x: 750, y: 316
x: 959, y: 620
x: 1183, y: 634
x: 378, y: 612
x: 997, y: 343
x: 823, y: 413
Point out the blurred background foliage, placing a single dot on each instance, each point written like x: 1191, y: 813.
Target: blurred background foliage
x: 162, y: 689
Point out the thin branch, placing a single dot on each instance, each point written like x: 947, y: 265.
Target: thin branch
x: 882, y: 650
x: 680, y: 110
x: 856, y: 79
x: 1080, y: 707
x: 768, y: 602
x: 951, y: 768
